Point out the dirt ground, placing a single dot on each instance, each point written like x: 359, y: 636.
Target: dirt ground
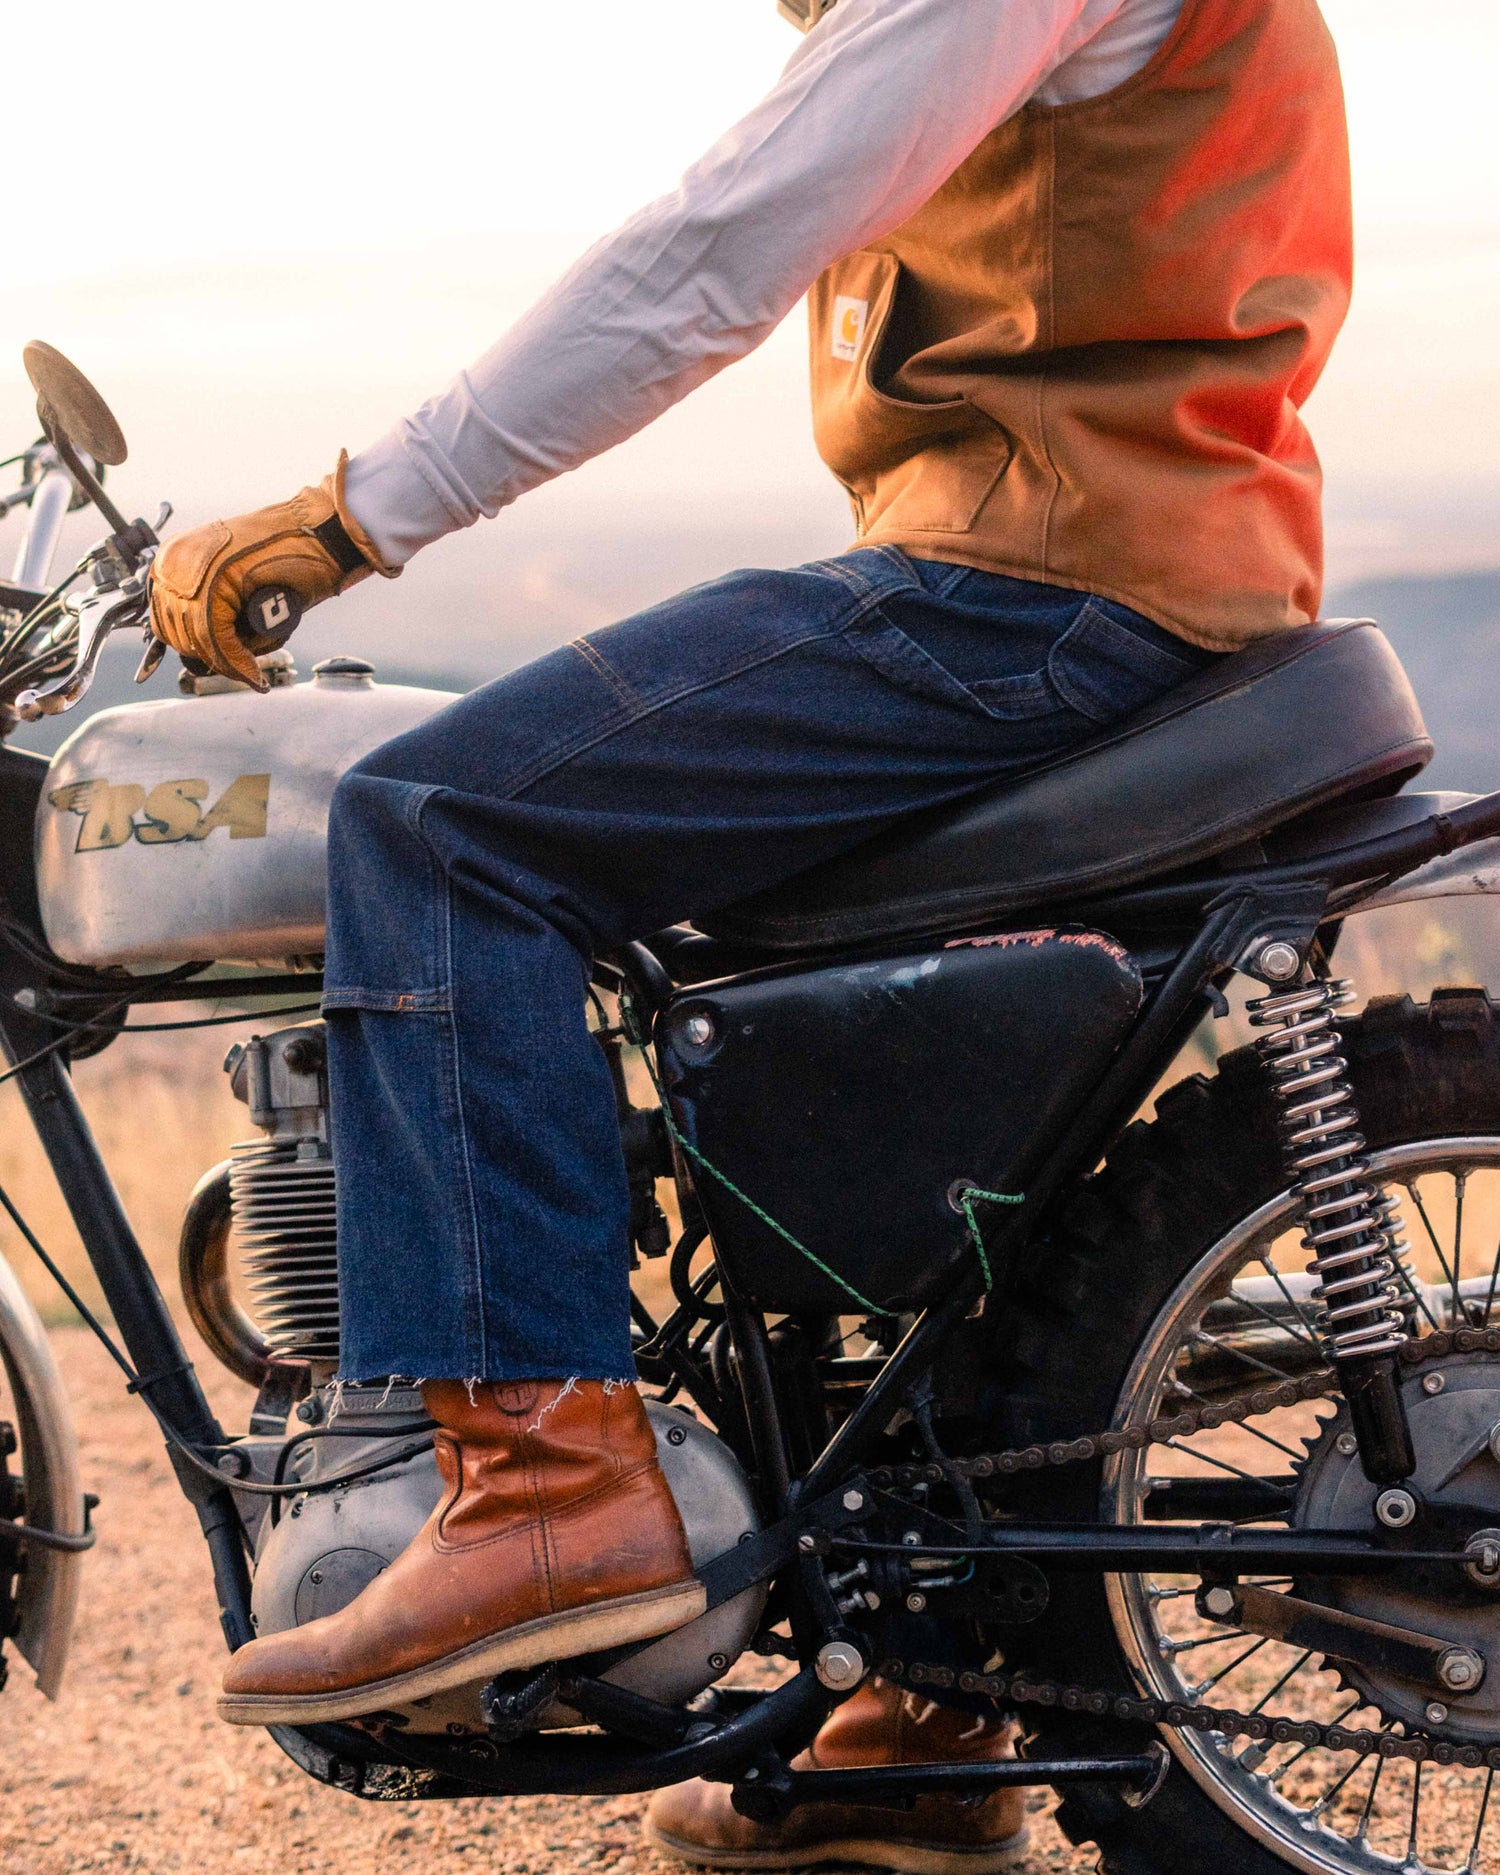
x: 131, y: 1771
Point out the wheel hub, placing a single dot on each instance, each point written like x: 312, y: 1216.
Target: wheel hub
x: 1454, y: 1409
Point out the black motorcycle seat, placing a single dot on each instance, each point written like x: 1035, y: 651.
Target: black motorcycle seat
x: 1298, y: 720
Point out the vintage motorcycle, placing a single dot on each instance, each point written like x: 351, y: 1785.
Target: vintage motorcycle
x: 1156, y: 1435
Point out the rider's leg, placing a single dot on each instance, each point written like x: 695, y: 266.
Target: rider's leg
x: 646, y: 774
x: 879, y: 1724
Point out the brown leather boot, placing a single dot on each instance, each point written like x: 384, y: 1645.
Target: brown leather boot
x: 877, y: 1725
x: 557, y: 1536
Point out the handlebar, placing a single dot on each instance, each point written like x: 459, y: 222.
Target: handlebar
x: 117, y: 593
x: 270, y: 615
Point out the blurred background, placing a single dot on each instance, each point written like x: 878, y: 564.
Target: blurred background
x: 267, y: 231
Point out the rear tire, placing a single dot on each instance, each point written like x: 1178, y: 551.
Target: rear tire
x: 1170, y: 1191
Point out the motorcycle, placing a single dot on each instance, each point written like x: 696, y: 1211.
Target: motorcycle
x: 1156, y: 1434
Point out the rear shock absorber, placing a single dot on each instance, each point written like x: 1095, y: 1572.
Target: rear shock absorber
x: 1351, y: 1228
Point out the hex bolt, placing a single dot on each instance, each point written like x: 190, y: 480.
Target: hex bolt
x: 1436, y: 1712
x: 1459, y: 1669
x: 698, y: 1030
x: 1482, y: 1559
x: 1346, y: 1445
x: 1279, y: 960
x: 916, y: 1602
x: 807, y: 1542
x: 840, y: 1666
x: 311, y: 1410
x: 854, y: 1500
x: 1434, y: 1384
x: 1396, y: 1508
x: 1219, y: 1602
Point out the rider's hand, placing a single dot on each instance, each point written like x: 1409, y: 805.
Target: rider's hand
x: 201, y: 580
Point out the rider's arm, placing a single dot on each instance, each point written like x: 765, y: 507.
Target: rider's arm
x: 879, y: 105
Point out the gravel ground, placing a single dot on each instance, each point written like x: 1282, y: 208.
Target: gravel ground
x: 131, y: 1770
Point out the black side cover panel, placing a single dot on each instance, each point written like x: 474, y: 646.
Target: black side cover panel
x: 846, y: 1100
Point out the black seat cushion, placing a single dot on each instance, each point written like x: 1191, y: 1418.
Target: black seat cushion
x: 1298, y: 720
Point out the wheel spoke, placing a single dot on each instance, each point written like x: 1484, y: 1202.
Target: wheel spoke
x: 1223, y: 1464
x: 1472, y: 1860
x: 1228, y: 1347
x: 1332, y: 1792
x: 1207, y: 1685
x: 1291, y: 1672
x: 1364, y: 1816
x: 1437, y: 1249
x: 1309, y: 1327
x: 1170, y: 1649
x: 1416, y: 1806
x: 1489, y: 1300
x: 1254, y: 1431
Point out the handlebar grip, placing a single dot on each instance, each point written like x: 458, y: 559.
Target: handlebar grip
x: 268, y: 618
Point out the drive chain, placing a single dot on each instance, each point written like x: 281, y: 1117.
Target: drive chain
x: 1024, y: 1689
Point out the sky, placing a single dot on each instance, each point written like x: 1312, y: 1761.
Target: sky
x: 266, y: 230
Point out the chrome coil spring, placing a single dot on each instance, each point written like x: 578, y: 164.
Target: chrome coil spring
x: 1351, y: 1228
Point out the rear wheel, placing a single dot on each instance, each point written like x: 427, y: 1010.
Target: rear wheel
x: 1176, y: 1275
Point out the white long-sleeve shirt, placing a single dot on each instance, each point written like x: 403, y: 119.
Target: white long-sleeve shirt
x: 878, y: 106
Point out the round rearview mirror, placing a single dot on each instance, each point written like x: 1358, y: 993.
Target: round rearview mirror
x: 66, y: 401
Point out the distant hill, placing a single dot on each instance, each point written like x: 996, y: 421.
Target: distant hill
x: 1446, y: 630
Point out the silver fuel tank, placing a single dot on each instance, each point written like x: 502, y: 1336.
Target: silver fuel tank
x: 197, y: 827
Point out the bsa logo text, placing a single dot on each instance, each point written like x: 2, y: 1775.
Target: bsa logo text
x: 112, y: 814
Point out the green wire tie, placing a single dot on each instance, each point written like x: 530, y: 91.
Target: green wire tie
x: 967, y: 1199
x: 971, y: 1193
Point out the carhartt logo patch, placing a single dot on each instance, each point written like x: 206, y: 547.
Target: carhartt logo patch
x: 112, y: 815
x: 849, y: 316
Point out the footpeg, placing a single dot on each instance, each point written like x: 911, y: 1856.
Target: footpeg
x: 512, y: 1703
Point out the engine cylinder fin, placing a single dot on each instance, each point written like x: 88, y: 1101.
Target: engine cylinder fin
x: 283, y: 1197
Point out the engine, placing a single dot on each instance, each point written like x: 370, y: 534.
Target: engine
x: 263, y: 1225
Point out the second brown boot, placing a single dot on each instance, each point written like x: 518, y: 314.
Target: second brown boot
x: 879, y: 1724
x: 556, y: 1536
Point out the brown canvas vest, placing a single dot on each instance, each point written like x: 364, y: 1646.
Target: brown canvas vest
x: 1082, y: 361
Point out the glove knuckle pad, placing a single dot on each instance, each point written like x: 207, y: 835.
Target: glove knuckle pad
x: 186, y: 563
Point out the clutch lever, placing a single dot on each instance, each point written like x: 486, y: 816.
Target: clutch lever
x: 120, y: 595
x: 98, y: 611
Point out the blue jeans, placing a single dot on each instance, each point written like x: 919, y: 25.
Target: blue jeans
x: 643, y: 776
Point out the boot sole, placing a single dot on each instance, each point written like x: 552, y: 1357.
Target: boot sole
x: 908, y: 1858
x: 530, y: 1644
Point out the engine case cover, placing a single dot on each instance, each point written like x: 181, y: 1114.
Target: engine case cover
x: 197, y: 827
x: 849, y: 1100
x: 328, y: 1546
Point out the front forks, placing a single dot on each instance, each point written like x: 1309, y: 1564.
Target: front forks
x: 1351, y: 1228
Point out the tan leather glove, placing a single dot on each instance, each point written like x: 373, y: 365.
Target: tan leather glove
x: 201, y: 580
